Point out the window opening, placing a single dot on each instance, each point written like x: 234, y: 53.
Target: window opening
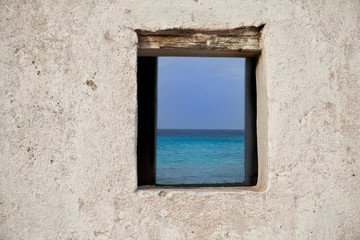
x: 154, y: 134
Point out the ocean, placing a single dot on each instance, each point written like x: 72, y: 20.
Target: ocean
x: 199, y: 156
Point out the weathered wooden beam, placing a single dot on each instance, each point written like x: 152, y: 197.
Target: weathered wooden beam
x: 240, y: 42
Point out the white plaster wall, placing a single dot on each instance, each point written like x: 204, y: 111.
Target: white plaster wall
x: 67, y: 163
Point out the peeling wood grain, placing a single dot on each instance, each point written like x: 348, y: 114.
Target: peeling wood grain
x: 241, y: 42
x: 255, y: 31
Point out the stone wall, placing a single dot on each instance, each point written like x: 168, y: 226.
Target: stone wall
x: 68, y: 123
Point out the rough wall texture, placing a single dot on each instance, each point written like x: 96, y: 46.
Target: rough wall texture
x: 68, y: 123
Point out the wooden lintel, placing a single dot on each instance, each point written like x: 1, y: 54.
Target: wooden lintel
x: 243, y: 42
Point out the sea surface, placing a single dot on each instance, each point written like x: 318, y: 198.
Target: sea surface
x: 199, y: 156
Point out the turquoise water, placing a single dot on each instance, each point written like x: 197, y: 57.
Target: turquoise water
x: 199, y: 156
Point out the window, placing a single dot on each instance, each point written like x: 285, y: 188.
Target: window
x: 242, y: 42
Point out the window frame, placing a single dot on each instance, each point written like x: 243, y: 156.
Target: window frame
x: 240, y: 42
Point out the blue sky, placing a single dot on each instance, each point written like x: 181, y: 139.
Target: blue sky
x: 201, y: 93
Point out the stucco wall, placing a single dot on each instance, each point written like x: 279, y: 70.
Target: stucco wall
x: 68, y: 144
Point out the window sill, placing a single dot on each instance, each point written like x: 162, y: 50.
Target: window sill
x: 163, y: 190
